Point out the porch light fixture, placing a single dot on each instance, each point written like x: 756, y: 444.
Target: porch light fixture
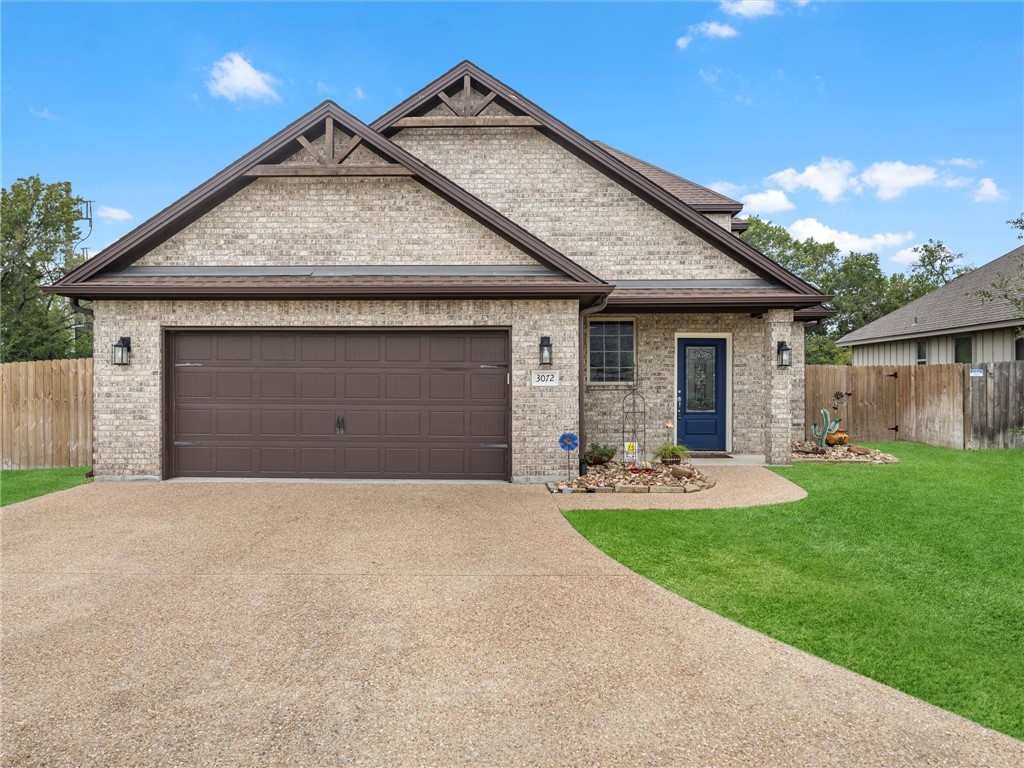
x: 783, y: 353
x: 122, y: 351
x: 546, y: 356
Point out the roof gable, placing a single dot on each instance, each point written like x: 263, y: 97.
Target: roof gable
x: 954, y: 306
x: 277, y: 157
x: 426, y: 105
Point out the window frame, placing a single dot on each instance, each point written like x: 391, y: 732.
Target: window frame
x: 1018, y: 346
x: 956, y: 350
x: 632, y: 320
x: 922, y: 359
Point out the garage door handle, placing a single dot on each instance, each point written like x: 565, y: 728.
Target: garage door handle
x: 339, y: 426
x: 494, y: 445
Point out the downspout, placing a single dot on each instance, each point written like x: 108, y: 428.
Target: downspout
x: 584, y: 314
x: 79, y: 308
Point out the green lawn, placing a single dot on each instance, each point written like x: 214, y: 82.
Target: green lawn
x: 20, y: 484
x: 911, y: 574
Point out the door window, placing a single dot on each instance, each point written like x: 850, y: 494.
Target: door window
x: 700, y: 379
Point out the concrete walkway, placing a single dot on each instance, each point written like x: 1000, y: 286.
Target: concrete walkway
x: 323, y: 625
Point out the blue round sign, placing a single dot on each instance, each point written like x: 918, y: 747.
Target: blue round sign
x: 569, y: 441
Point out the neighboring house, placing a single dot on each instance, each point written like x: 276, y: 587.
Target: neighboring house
x: 377, y: 301
x: 952, y: 324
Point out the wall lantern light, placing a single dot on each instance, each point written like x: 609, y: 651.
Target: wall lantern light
x: 783, y: 353
x: 122, y: 351
x: 546, y: 356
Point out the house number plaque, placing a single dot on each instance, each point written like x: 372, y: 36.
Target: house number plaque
x: 544, y: 378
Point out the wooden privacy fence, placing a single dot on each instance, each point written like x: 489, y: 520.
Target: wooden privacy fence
x: 941, y: 405
x: 47, y: 414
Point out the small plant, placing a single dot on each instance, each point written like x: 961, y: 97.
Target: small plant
x: 598, y: 454
x: 671, y: 452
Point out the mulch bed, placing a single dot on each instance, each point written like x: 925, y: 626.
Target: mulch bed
x: 619, y: 477
x: 808, y: 450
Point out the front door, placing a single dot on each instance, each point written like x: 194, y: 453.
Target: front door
x: 700, y: 399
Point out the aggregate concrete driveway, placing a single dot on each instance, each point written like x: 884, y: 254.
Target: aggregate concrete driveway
x: 326, y: 624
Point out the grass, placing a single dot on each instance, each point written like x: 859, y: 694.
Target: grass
x: 20, y: 484
x: 911, y: 574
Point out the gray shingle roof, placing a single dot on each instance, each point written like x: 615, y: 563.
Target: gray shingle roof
x: 954, y: 306
x: 689, y: 192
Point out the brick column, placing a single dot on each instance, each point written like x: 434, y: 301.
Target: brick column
x: 778, y: 326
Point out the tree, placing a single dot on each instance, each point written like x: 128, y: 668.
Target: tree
x: 1010, y: 287
x: 38, y: 235
x: 935, y: 266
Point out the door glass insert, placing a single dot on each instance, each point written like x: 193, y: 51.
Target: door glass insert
x: 700, y: 379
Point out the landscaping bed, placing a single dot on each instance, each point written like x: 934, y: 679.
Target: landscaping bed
x: 809, y: 450
x: 622, y: 477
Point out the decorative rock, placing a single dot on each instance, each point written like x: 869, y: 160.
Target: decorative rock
x: 665, y: 489
x: 681, y: 472
x: 858, y: 450
x: 710, y: 481
x: 690, y: 488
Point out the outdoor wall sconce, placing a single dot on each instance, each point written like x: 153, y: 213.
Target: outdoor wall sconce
x: 783, y: 353
x: 122, y: 351
x: 546, y: 356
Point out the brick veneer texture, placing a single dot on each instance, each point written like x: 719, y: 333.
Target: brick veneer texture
x: 128, y: 400
x: 334, y: 221
x: 567, y: 203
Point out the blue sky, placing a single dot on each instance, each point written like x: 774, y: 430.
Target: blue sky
x: 879, y: 125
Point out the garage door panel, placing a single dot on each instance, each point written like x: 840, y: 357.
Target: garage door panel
x: 191, y: 382
x: 277, y: 385
x: 235, y: 384
x: 414, y: 404
x: 193, y: 421
x: 319, y: 385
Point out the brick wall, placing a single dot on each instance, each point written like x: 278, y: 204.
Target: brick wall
x: 128, y: 400
x: 567, y: 203
x: 325, y: 221
x: 757, y: 383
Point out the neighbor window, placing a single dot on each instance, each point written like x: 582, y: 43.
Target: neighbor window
x: 964, y: 350
x: 1018, y: 348
x: 922, y: 353
x: 612, y: 351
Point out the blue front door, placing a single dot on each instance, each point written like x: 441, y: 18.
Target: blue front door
x: 700, y: 400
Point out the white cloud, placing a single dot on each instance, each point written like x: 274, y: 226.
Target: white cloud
x: 358, y: 93
x: 234, y: 78
x: 113, y: 214
x: 709, y: 76
x: 987, y: 191
x: 892, y: 179
x: 906, y: 256
x: 847, y: 241
x: 727, y: 188
x: 44, y: 113
x: 830, y: 178
x: 748, y: 9
x: 705, y: 29
x: 715, y: 29
x: 324, y: 88
x: 769, y: 201
x: 963, y: 162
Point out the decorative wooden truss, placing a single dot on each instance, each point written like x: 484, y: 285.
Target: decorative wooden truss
x: 329, y: 161
x: 466, y: 114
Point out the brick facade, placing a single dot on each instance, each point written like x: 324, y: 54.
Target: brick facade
x: 128, y: 403
x: 324, y: 221
x: 569, y: 204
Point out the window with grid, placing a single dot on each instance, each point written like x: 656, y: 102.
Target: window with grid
x: 612, y: 351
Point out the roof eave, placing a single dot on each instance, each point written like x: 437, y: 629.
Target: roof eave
x: 1011, y: 323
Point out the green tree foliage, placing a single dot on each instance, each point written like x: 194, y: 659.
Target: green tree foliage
x: 38, y: 230
x: 863, y: 292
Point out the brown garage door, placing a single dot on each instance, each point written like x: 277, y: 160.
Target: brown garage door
x: 351, y: 404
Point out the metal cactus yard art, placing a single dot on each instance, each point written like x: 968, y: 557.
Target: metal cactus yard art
x: 829, y: 426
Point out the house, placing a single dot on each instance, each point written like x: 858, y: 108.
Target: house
x: 439, y: 294
x: 952, y: 324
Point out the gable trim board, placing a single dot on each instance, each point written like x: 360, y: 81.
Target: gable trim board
x: 223, y: 185
x: 604, y: 162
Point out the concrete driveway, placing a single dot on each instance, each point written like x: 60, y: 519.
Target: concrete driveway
x: 332, y: 624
